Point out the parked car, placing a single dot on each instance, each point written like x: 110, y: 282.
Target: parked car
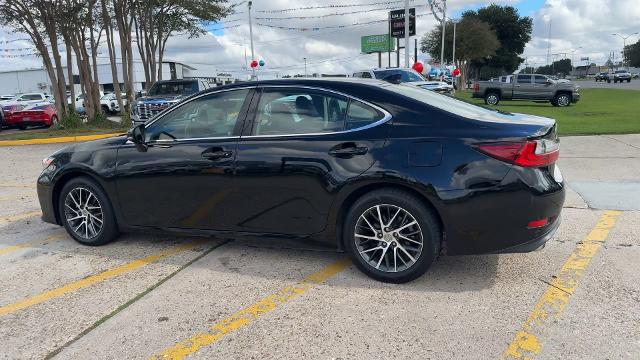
x: 602, y: 76
x: 527, y: 87
x: 440, y: 87
x: 5, y: 98
x: 621, y: 75
x: 35, y: 114
x: 25, y: 98
x: 78, y: 101
x: 109, y: 103
x: 1, y: 118
x: 392, y: 75
x: 392, y: 174
x: 162, y: 95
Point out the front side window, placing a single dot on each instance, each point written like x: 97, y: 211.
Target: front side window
x: 209, y: 116
x: 293, y: 111
x: 524, y: 79
x: 538, y: 79
x: 411, y: 76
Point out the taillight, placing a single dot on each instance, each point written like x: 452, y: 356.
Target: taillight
x: 530, y: 153
x: 476, y: 87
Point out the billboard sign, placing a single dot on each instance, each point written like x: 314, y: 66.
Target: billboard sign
x: 376, y: 43
x: 396, y: 22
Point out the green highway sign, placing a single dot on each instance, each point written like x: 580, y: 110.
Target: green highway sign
x: 375, y: 43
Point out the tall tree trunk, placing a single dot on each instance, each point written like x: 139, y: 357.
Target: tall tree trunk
x: 108, y: 26
x: 72, y: 85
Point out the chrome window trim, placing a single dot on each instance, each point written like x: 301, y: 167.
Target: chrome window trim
x: 387, y: 116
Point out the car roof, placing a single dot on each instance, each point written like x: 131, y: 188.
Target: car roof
x: 313, y: 82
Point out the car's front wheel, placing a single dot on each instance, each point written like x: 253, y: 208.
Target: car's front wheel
x: 86, y: 212
x: 391, y: 235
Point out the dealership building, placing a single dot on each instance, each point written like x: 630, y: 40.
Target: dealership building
x: 37, y: 80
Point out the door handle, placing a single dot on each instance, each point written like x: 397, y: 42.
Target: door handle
x: 216, y: 153
x: 348, y: 150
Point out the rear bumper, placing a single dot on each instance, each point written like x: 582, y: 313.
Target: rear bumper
x: 575, y: 97
x: 534, y: 244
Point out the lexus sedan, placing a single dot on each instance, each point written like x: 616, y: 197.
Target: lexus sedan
x: 390, y: 173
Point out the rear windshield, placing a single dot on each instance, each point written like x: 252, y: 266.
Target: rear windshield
x: 174, y: 88
x: 439, y: 101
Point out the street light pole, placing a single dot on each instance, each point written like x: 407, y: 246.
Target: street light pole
x: 444, y: 25
x: 573, y: 51
x: 253, y: 70
x: 624, y: 47
x: 305, y: 67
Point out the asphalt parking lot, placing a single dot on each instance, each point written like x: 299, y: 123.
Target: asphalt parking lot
x: 161, y: 296
x: 634, y: 84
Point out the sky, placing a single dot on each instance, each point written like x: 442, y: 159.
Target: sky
x: 585, y: 26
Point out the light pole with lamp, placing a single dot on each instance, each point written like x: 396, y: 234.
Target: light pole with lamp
x: 624, y: 46
x: 572, y: 52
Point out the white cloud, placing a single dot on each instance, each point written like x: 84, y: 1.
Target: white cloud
x: 586, y: 23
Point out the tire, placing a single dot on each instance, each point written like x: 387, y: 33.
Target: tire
x: 562, y: 100
x: 628, y: 80
x: 74, y: 205
x: 609, y: 81
x: 492, y: 98
x: 553, y: 102
x: 105, y: 110
x: 54, y: 121
x: 22, y: 127
x: 426, y: 229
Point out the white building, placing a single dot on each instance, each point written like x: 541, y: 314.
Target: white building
x: 37, y: 80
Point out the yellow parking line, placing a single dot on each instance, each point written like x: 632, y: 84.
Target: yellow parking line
x: 12, y: 218
x: 10, y: 249
x: 28, y: 186
x: 13, y: 197
x: 248, y: 315
x: 55, y: 140
x: 527, y: 342
x: 97, y: 278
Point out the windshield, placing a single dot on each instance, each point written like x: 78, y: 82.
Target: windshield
x: 405, y: 75
x: 174, y: 88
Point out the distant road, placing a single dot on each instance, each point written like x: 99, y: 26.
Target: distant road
x: 592, y: 84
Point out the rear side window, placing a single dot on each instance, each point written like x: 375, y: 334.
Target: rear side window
x: 360, y: 115
x: 299, y: 111
x: 31, y: 97
x: 524, y: 79
x: 366, y: 75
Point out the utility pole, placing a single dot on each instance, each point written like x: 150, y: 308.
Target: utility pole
x: 454, y: 44
x: 549, y: 42
x: 624, y: 46
x: 572, y: 52
x: 407, y: 44
x: 444, y: 25
x: 305, y: 67
x: 253, y: 70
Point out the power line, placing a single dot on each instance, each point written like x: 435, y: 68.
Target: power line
x: 329, y: 15
x: 331, y: 6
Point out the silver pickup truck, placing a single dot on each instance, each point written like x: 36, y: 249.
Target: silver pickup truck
x: 527, y: 87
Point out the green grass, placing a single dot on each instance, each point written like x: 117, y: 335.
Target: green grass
x: 52, y: 132
x: 599, y: 111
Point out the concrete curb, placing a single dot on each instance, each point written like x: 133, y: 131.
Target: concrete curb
x: 63, y: 139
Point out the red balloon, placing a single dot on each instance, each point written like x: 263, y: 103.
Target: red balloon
x: 418, y: 67
x: 456, y: 72
x: 254, y: 63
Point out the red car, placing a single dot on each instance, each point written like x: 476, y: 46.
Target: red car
x: 22, y: 116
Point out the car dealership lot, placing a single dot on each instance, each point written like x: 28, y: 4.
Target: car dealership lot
x: 148, y: 295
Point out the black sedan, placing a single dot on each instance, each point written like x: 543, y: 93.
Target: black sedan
x: 390, y: 173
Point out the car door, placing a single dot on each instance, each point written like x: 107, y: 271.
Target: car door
x: 302, y: 145
x: 183, y: 178
x: 523, y: 87
x: 542, y: 87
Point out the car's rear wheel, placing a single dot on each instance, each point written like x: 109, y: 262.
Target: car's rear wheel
x: 22, y: 127
x: 562, y: 100
x: 391, y: 235
x: 628, y: 80
x: 54, y: 121
x: 492, y: 98
x: 86, y: 212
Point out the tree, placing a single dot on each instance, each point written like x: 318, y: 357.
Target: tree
x: 38, y: 19
x: 557, y: 67
x: 512, y: 30
x: 157, y: 20
x: 475, y: 41
x: 632, y: 54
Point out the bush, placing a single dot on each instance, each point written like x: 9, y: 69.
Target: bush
x: 73, y: 120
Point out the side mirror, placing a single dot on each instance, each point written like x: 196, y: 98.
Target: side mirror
x: 549, y: 81
x: 136, y: 134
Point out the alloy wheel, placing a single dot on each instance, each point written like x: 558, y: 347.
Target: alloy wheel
x: 492, y: 99
x: 83, y: 213
x: 563, y: 100
x: 388, y: 238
